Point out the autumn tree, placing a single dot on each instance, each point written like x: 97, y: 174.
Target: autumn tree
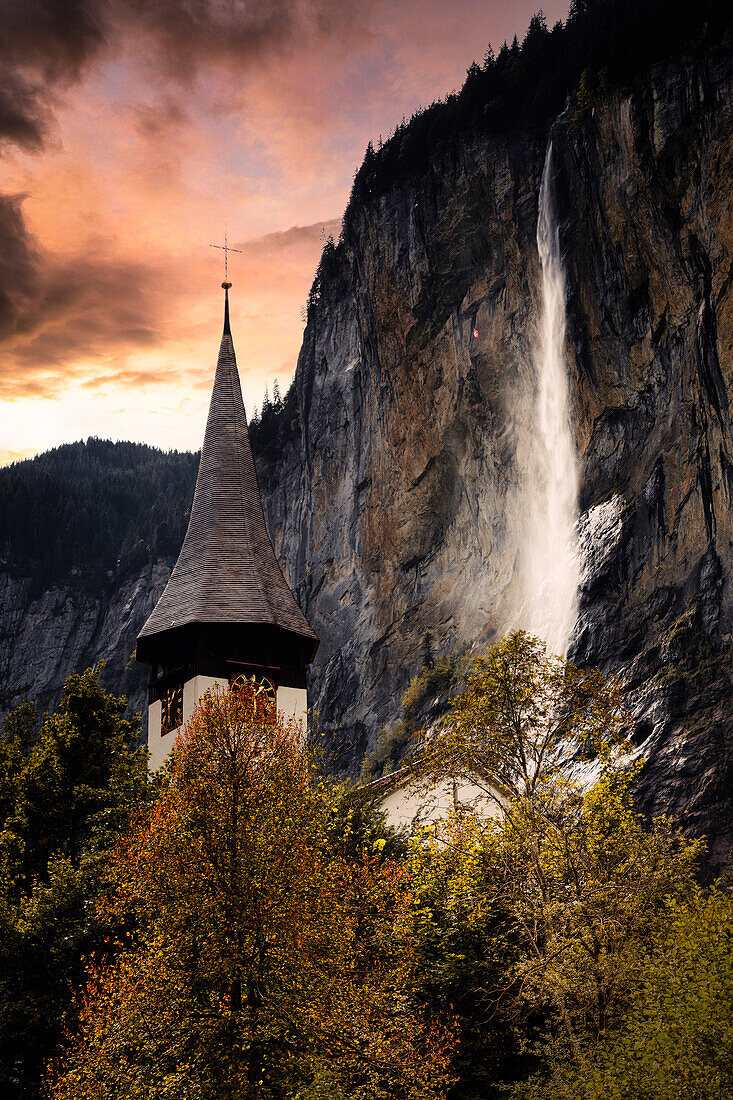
x: 67, y: 787
x: 675, y: 1041
x: 468, y: 949
x: 524, y: 724
x: 570, y: 863
x: 264, y: 963
x: 587, y: 890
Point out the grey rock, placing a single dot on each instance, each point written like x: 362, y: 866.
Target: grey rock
x: 46, y: 636
x: 394, y: 508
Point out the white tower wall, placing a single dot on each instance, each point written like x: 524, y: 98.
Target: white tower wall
x: 292, y: 705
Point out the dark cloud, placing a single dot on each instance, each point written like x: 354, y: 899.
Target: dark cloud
x: 46, y: 45
x: 19, y: 267
x: 64, y: 314
x: 187, y: 33
x: 58, y: 308
x: 56, y: 314
x: 158, y: 120
x: 54, y: 37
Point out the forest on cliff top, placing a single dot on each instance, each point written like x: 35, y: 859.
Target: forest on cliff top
x: 603, y: 44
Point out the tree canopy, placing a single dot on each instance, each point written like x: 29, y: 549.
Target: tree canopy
x: 94, y: 511
x: 570, y: 867
x: 67, y: 787
x: 675, y: 1041
x: 244, y: 927
x: 263, y: 963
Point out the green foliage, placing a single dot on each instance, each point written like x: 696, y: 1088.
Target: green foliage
x: 521, y: 718
x: 391, y: 743
x: 571, y: 874
x: 468, y: 950
x: 583, y: 97
x: 587, y: 880
x: 281, y: 941
x: 94, y: 511
x: 356, y: 828
x: 676, y: 1039
x: 436, y: 678
x: 329, y: 264
x: 541, y: 929
x: 275, y: 427
x: 67, y: 787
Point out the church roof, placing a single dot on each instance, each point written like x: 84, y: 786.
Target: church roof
x: 227, y: 571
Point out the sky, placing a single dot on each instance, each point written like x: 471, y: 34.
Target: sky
x: 132, y: 132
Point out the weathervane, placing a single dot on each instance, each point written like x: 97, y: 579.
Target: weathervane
x: 226, y: 250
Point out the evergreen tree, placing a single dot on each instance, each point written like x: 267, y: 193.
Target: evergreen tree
x: 94, y: 511
x: 527, y: 85
x: 67, y: 787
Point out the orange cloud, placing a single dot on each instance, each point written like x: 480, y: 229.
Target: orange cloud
x: 167, y: 119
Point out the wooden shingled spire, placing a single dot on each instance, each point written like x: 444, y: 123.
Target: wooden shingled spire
x: 227, y: 572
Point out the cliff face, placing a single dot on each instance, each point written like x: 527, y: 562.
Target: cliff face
x: 47, y: 635
x: 645, y: 196
x: 397, y: 526
x: 395, y: 508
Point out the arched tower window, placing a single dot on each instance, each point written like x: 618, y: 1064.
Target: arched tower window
x: 171, y: 701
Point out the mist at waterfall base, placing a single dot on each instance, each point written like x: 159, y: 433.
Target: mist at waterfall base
x: 548, y: 558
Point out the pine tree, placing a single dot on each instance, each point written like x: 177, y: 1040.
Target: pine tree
x: 66, y: 790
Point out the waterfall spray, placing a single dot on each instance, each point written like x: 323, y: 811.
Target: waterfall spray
x: 551, y: 564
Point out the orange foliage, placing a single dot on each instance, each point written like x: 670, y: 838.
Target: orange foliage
x: 260, y: 958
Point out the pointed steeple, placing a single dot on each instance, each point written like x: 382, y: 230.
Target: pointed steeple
x: 227, y: 572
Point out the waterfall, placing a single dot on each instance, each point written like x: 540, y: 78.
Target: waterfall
x: 549, y: 556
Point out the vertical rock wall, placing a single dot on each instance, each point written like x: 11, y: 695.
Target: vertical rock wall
x: 645, y: 190
x: 395, y: 507
x: 401, y: 524
x: 46, y: 635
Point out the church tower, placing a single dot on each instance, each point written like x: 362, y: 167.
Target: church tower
x: 227, y: 614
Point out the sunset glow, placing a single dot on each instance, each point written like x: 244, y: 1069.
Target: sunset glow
x: 132, y: 134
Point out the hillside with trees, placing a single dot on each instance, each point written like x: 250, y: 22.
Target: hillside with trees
x: 603, y: 44
x: 94, y: 510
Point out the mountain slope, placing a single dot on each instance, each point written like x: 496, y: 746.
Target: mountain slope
x: 88, y: 534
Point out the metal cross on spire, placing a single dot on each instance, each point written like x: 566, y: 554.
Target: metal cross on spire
x: 226, y: 249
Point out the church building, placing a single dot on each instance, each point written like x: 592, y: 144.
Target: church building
x: 227, y: 614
